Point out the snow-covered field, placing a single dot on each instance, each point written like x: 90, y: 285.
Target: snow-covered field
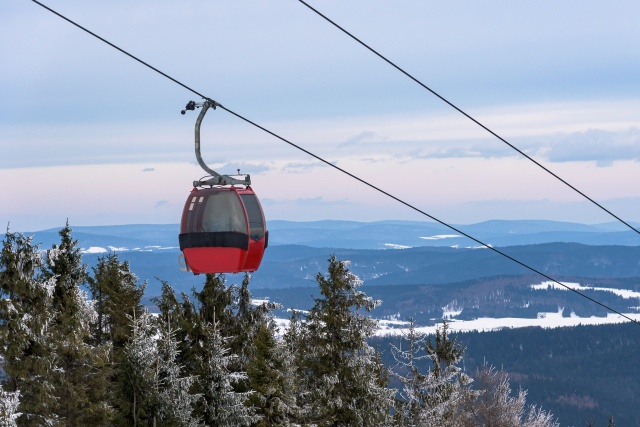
x: 101, y: 250
x: 543, y: 320
x: 486, y: 324
x: 624, y: 293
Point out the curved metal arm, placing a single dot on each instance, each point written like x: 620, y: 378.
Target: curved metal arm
x: 216, y: 178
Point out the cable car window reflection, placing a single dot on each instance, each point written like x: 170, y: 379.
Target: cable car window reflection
x: 224, y: 212
x: 256, y: 223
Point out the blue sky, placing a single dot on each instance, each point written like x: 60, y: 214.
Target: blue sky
x: 88, y: 134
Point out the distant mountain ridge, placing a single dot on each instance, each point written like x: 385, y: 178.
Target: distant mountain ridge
x: 367, y: 235
x: 434, y: 254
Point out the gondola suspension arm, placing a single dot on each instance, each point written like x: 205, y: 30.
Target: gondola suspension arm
x: 216, y: 178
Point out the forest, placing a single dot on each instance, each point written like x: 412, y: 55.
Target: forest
x: 80, y: 348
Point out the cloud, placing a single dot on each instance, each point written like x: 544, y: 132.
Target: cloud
x: 366, y: 135
x: 161, y: 203
x: 481, y: 148
x: 304, y: 167
x: 594, y: 145
x: 379, y: 159
x: 306, y: 202
x: 148, y: 170
x: 603, y: 147
x: 233, y: 167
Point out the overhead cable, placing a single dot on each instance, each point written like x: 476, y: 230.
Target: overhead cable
x: 446, y: 101
x: 368, y: 184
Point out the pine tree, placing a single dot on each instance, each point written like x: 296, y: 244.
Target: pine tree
x: 431, y: 396
x: 205, y: 351
x: 9, y: 402
x: 185, y: 323
x: 216, y: 301
x: 449, y: 385
x: 29, y: 358
x: 64, y: 263
x: 415, y: 384
x: 222, y: 405
x: 138, y: 396
x: 176, y: 401
x: 250, y: 320
x: 212, y: 305
x: 341, y: 380
x: 271, y: 373
x: 246, y: 321
x: 295, y: 344
x: 117, y: 295
x: 496, y: 407
x: 80, y: 386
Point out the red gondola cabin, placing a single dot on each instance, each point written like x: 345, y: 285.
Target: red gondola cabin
x: 223, y: 230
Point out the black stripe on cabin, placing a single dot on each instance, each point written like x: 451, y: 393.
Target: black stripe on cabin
x: 215, y: 239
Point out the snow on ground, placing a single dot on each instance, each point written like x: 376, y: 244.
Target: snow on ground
x: 624, y: 293
x: 94, y: 250
x: 440, y: 236
x: 395, y: 246
x: 485, y: 324
x: 451, y: 310
x: 473, y: 247
x: 393, y: 326
x: 100, y: 250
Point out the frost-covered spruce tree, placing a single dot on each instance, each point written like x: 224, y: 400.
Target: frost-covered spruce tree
x: 137, y: 374
x: 211, y: 305
x: 247, y: 320
x: 9, y: 402
x: 430, y: 395
x: 263, y: 357
x: 340, y: 375
x: 250, y: 319
x: 222, y: 405
x: 176, y: 401
x: 495, y: 405
x: 116, y: 294
x: 450, y: 386
x: 271, y: 378
x: 81, y: 380
x: 64, y: 263
x: 415, y: 384
x: 185, y: 324
x: 216, y: 301
x: 29, y: 357
x: 116, y: 297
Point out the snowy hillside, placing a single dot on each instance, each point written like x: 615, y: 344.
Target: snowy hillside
x: 419, y: 269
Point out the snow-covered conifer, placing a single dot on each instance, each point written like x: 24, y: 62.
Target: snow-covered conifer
x: 116, y: 294
x: 496, y: 406
x: 431, y: 395
x: 340, y: 375
x: 271, y: 375
x: 176, y: 401
x: 137, y: 394
x: 80, y: 381
x: 223, y: 406
x: 9, y: 402
x: 29, y: 357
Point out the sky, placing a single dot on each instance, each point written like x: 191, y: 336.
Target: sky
x: 90, y: 135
